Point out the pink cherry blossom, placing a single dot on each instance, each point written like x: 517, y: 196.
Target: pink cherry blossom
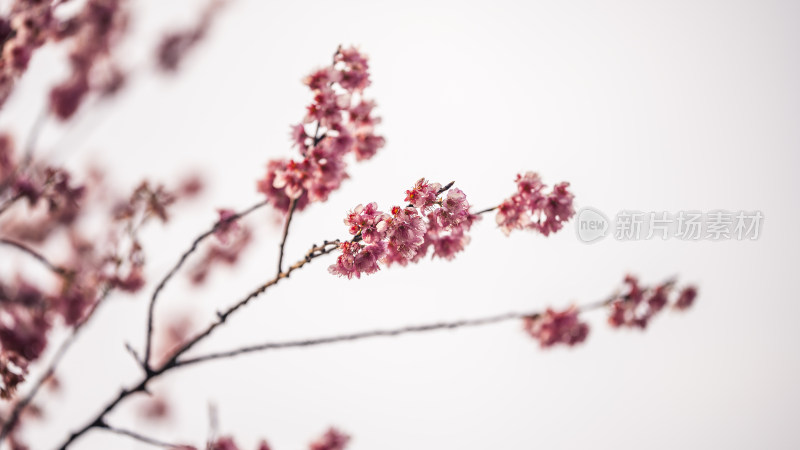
x: 354, y: 70
x: 448, y: 245
x: 555, y: 327
x: 423, y: 194
x: 322, y: 78
x: 333, y: 439
x: 367, y: 145
x: 454, y: 210
x: 533, y: 208
x: 298, y: 135
x: 226, y: 225
x: 686, y: 298
x: 342, y: 125
x: 556, y: 210
x: 369, y: 222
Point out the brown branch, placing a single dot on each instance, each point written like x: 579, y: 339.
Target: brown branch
x: 174, y: 270
x: 152, y: 373
x: 286, y: 233
x: 33, y: 136
x: 487, y: 210
x: 138, y: 436
x: 58, y: 270
x: 412, y: 329
x: 23, y: 403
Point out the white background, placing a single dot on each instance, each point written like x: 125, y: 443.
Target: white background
x: 640, y: 105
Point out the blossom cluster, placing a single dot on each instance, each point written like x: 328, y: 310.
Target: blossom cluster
x: 27, y: 27
x: 175, y: 45
x: 342, y: 123
x: 639, y: 304
x: 333, y: 439
x: 532, y: 207
x: 43, y: 207
x: 633, y: 308
x: 406, y: 233
x: 93, y: 33
x: 557, y: 327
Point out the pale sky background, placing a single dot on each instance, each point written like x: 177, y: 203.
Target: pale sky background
x: 683, y: 105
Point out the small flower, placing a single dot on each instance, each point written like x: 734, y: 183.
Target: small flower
x: 454, y: 210
x: 298, y: 135
x: 423, y: 194
x: 367, y: 145
x: 447, y: 246
x: 346, y: 262
x: 226, y: 225
x: 686, y: 298
x: 291, y: 178
x: 333, y: 439
x: 223, y: 443
x: 639, y: 304
x: 513, y: 214
x: 361, y: 115
x: 277, y: 196
x: 66, y: 97
x: 355, y: 70
x: 530, y: 207
x: 554, y: 327
x: 321, y: 79
x: 557, y: 209
x: 367, y: 221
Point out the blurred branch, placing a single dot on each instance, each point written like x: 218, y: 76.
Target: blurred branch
x: 138, y: 436
x: 23, y: 403
x: 178, y: 265
x: 58, y: 270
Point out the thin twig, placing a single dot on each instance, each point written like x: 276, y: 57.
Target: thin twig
x: 464, y: 323
x: 178, y: 265
x: 286, y: 233
x: 33, y: 136
x: 487, y: 210
x: 138, y: 436
x: 23, y: 403
x: 58, y: 270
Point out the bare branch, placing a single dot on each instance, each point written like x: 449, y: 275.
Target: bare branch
x: 178, y: 265
x: 487, y: 210
x: 413, y: 329
x: 286, y: 233
x: 138, y: 436
x: 58, y: 270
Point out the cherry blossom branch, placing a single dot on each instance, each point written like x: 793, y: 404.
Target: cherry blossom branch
x: 58, y: 270
x: 412, y: 329
x: 178, y: 265
x: 286, y: 233
x: 138, y: 436
x: 23, y: 403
